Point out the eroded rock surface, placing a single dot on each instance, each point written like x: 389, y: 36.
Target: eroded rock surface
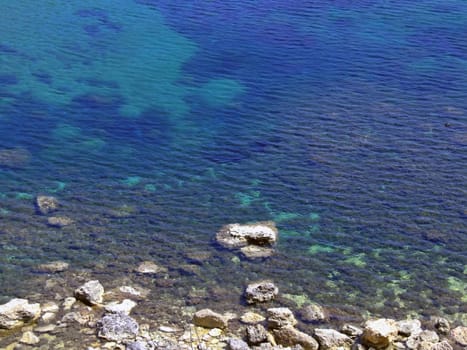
x: 18, y: 312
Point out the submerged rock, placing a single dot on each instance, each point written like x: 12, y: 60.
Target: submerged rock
x: 330, y: 339
x: 256, y: 252
x: 53, y: 267
x: 209, y: 319
x: 260, y: 292
x: 46, y: 204
x: 14, y: 157
x: 90, y: 293
x: 124, y: 307
x: 17, y: 312
x: 117, y: 327
x: 313, y: 313
x: 379, y: 333
x: 238, y: 236
x: 149, y: 267
x: 59, y: 221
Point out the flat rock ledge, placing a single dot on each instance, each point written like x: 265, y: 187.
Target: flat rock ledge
x: 253, y: 240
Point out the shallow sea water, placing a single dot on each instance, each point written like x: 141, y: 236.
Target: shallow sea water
x: 157, y: 122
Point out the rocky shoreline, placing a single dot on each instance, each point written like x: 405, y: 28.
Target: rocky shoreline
x: 95, y: 315
x: 94, y: 319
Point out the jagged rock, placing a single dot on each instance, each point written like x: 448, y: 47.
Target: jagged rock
x: 17, y: 312
x: 251, y: 318
x: 330, y: 339
x: 289, y: 336
x: 351, y: 330
x: 408, y: 327
x: 59, y: 221
x: 117, y: 327
x: 209, y: 319
x: 261, y: 292
x: 29, y: 338
x: 280, y: 317
x: 124, y: 307
x: 237, y: 344
x: 149, y: 267
x: 444, y: 345
x: 422, y: 340
x: 90, y: 293
x: 256, y: 334
x: 46, y: 204
x: 313, y: 313
x: 379, y: 333
x: 53, y: 267
x: 442, y: 325
x: 237, y: 235
x: 256, y: 252
x: 459, y: 334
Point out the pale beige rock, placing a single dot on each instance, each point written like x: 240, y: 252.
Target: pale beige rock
x: 49, y: 307
x: 48, y: 316
x: 125, y: 306
x: 59, y: 221
x: 379, y: 333
x: 408, y: 327
x: 251, y: 318
x: 53, y: 267
x: 17, y: 312
x: 256, y: 252
x: 444, y: 345
x: 237, y: 235
x: 90, y: 293
x: 209, y: 319
x: 289, y: 336
x: 149, y: 267
x: 45, y: 329
x: 68, y: 303
x: 46, y: 204
x: 29, y: 338
x: 330, y: 339
x: 422, y: 340
x: 280, y: 317
x: 459, y: 334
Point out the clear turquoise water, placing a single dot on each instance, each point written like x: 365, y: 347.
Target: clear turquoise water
x: 155, y: 123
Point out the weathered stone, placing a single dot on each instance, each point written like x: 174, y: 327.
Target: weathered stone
x: 137, y: 345
x: 379, y: 333
x: 261, y: 292
x: 251, y: 318
x: 280, y: 317
x: 149, y: 267
x: 81, y: 318
x: 53, y: 267
x: 256, y: 334
x: 330, y: 339
x: 90, y: 293
x: 289, y: 336
x: 444, y: 345
x: 117, y: 327
x: 351, y: 331
x: 49, y: 307
x: 29, y: 338
x: 237, y: 344
x: 68, y: 303
x: 422, y: 340
x: 408, y: 327
x: 256, y: 252
x: 209, y: 319
x: 17, y: 312
x: 313, y: 313
x: 124, y: 307
x: 237, y: 235
x: 48, y: 316
x: 46, y: 204
x: 59, y: 221
x: 459, y: 334
x: 45, y: 329
x: 442, y: 325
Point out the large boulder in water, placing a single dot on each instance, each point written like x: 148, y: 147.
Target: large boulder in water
x: 238, y: 235
x: 379, y: 333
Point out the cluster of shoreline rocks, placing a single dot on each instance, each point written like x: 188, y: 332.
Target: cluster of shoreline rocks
x: 92, y: 318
